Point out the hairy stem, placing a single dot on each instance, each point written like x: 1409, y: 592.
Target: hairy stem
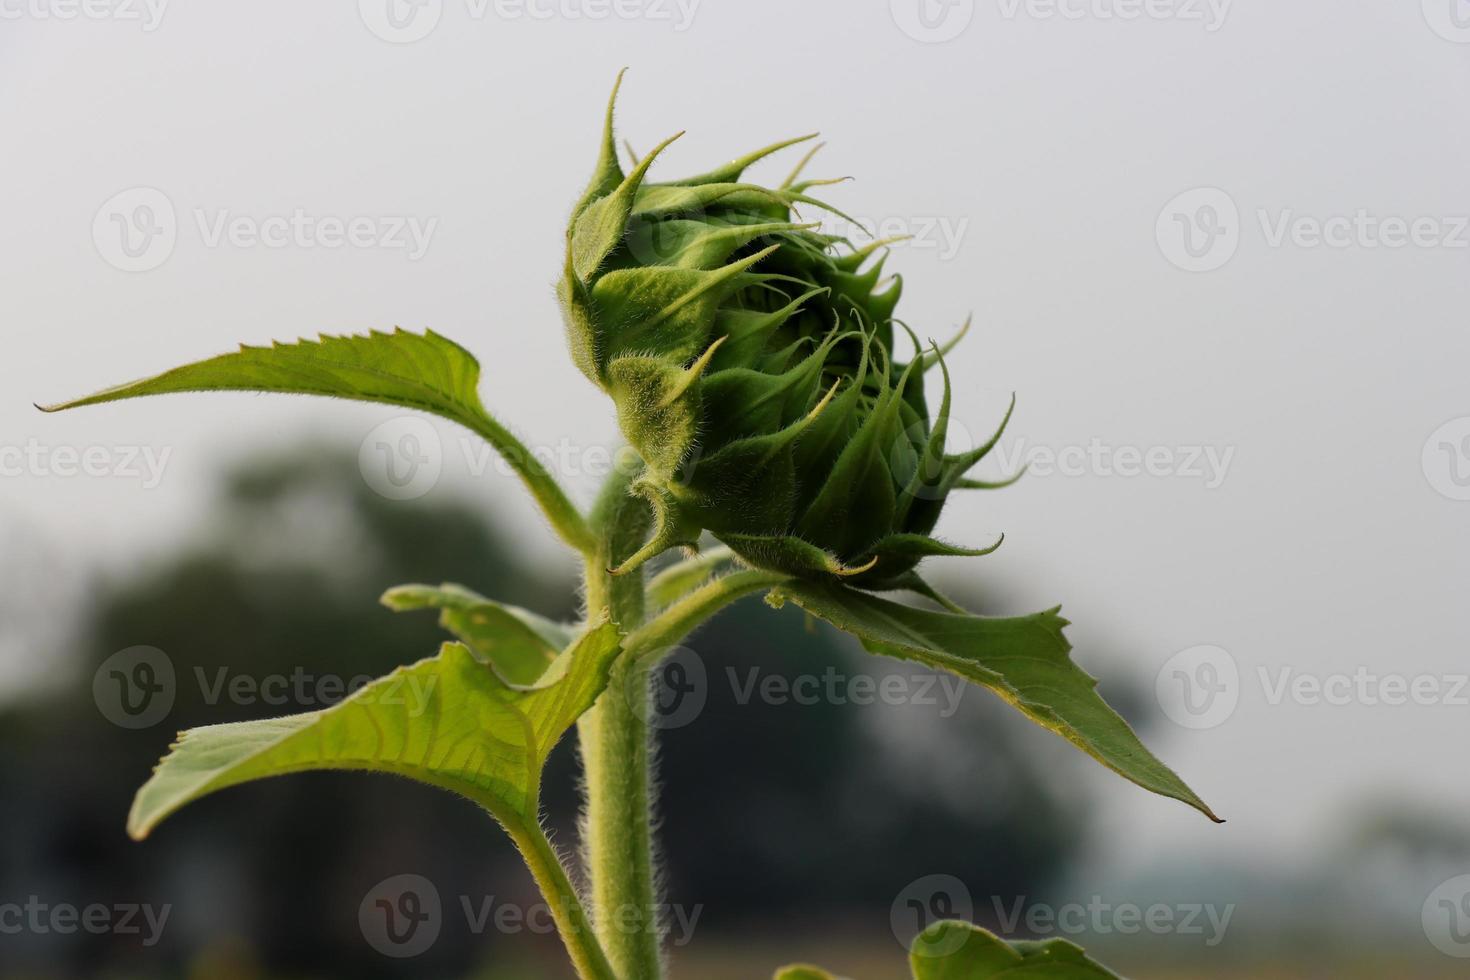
x: 646, y: 643
x: 566, y: 906
x: 565, y: 519
x: 617, y: 756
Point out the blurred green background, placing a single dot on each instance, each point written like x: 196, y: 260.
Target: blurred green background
x: 806, y: 831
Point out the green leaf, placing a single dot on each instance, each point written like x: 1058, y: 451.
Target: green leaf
x: 802, y: 971
x: 952, y: 950
x: 420, y: 371
x: 518, y: 643
x: 447, y: 721
x: 1024, y: 659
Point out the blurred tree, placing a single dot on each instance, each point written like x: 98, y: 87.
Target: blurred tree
x: 769, y: 806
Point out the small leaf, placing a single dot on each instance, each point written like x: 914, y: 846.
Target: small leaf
x: 519, y: 644
x: 422, y: 371
x: 447, y: 721
x: 952, y: 950
x: 802, y: 971
x: 1024, y: 659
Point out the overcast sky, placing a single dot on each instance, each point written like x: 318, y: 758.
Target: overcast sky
x: 1220, y: 246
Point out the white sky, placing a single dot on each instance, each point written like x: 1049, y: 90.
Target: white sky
x: 1045, y: 148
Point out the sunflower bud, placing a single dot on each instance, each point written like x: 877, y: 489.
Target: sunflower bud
x: 752, y: 362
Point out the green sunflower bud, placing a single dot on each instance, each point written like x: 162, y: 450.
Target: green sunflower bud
x: 752, y: 362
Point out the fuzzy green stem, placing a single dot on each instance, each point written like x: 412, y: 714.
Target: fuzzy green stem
x: 617, y: 748
x: 565, y: 519
x: 617, y: 756
x: 646, y: 643
x: 571, y: 917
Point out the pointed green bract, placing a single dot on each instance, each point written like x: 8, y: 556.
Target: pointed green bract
x: 1026, y: 660
x: 419, y: 371
x: 448, y: 721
